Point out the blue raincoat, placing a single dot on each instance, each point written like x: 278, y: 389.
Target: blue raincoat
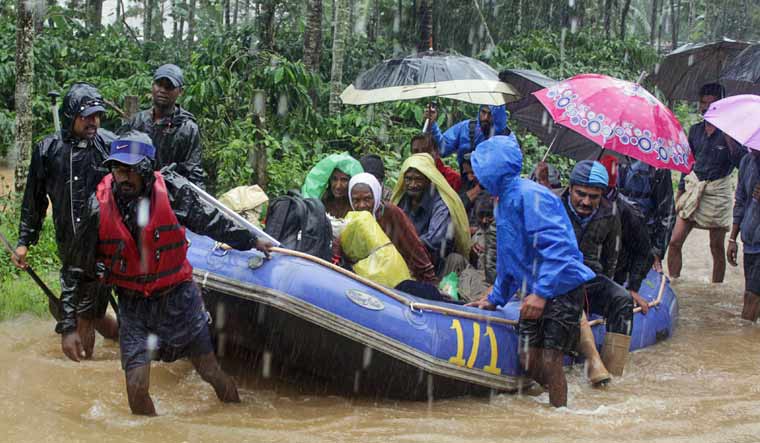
x: 536, y: 248
x: 457, y: 138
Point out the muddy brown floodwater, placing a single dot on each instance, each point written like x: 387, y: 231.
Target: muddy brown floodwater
x: 703, y: 385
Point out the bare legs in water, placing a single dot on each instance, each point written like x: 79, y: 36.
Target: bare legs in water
x: 717, y: 249
x: 207, y: 366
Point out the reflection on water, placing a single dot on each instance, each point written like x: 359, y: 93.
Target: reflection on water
x: 702, y: 385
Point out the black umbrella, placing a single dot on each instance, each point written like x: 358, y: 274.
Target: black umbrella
x: 682, y: 72
x: 532, y: 115
x: 429, y: 74
x: 742, y: 74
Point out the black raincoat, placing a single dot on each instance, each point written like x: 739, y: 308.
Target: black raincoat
x: 635, y: 256
x: 65, y: 169
x: 656, y: 204
x: 177, y: 140
x: 191, y: 211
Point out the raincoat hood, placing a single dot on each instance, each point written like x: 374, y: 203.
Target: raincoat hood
x: 318, y: 178
x: 536, y: 246
x: 498, y: 118
x: 497, y: 161
x: 80, y: 97
x: 426, y: 165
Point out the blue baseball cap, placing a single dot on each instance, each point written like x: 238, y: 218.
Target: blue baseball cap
x: 171, y: 72
x: 131, y: 149
x: 589, y: 173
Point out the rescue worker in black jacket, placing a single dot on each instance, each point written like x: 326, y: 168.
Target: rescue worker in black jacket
x: 65, y: 168
x: 132, y: 236
x: 651, y: 191
x: 172, y: 129
x: 635, y: 257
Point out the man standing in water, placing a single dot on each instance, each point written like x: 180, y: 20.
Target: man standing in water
x: 747, y: 220
x: 704, y: 196
x: 65, y: 169
x: 171, y: 128
x: 539, y: 259
x: 132, y: 236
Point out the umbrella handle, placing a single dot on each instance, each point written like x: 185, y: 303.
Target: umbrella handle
x: 425, y: 125
x: 551, y: 145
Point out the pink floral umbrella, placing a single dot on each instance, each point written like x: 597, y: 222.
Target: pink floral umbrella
x: 620, y: 116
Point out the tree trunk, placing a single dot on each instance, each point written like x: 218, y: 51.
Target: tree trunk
x: 675, y: 14
x: 191, y: 25
x: 312, y: 39
x: 623, y: 16
x: 426, y: 26
x: 267, y: 24
x: 158, y: 21
x: 653, y: 23
x: 659, y: 26
x: 226, y: 14
x: 338, y: 53
x: 235, y: 13
x: 374, y: 16
x: 23, y: 95
x: 148, y: 20
x: 181, y: 27
x: 175, y: 20
x: 519, y: 15
x: 607, y: 18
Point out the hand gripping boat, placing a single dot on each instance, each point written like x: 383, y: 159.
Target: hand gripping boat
x: 305, y: 313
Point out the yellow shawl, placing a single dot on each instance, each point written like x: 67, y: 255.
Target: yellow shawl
x: 425, y: 164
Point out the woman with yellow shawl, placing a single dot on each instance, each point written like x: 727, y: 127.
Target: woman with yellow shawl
x: 435, y: 209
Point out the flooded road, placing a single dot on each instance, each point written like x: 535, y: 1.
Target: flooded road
x: 703, y: 385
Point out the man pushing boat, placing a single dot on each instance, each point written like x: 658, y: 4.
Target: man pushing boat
x: 132, y: 237
x: 538, y: 258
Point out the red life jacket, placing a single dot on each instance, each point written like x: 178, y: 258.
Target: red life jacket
x: 162, y: 262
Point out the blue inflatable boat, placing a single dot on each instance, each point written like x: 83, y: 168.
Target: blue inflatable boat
x: 301, y: 313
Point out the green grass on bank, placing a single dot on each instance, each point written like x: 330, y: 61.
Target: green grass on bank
x: 19, y: 294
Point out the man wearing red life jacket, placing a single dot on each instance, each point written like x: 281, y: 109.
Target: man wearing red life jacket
x: 133, y: 238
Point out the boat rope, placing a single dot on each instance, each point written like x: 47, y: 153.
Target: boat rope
x: 413, y: 305
x: 394, y: 295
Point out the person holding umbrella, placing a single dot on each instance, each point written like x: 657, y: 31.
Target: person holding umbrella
x: 704, y: 196
x: 65, y: 169
x: 730, y: 116
x: 464, y: 136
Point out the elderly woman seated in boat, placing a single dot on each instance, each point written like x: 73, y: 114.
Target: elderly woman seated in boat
x: 328, y: 181
x: 365, y: 194
x: 434, y: 208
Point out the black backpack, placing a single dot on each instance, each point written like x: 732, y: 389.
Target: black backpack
x: 300, y: 224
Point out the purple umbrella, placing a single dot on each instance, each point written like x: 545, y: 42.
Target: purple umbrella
x: 739, y: 117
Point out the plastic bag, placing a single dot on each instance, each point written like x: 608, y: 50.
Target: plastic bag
x: 364, y: 242
x: 248, y: 201
x: 450, y: 285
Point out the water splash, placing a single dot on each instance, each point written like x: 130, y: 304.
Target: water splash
x: 220, y: 316
x: 259, y: 103
x: 282, y: 105
x: 691, y: 59
x: 574, y: 25
x: 143, y: 212
x: 266, y: 364
x: 151, y: 345
x: 366, y: 357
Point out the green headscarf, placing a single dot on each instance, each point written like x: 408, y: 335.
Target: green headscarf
x: 318, y: 179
